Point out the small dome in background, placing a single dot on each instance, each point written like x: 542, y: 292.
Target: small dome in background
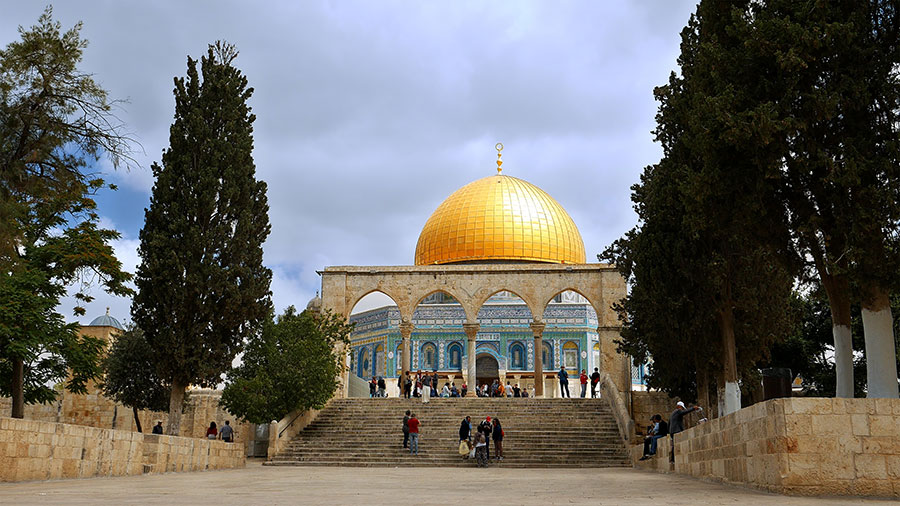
x: 106, y: 321
x: 315, y: 304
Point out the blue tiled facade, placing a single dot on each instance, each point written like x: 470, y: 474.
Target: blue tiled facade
x: 438, y: 341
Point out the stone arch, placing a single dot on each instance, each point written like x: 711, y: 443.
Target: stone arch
x: 526, y: 297
x: 358, y: 298
x: 548, y: 299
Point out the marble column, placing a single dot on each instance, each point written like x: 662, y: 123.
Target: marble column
x: 471, y: 330
x: 537, y: 329
x: 406, y: 328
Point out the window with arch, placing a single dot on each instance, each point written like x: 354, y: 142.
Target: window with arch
x: 547, y: 356
x: 517, y: 356
x: 365, y: 363
x: 353, y: 362
x: 379, y: 360
x: 398, y: 356
x: 570, y: 355
x: 596, y: 355
x: 429, y: 357
x: 455, y: 353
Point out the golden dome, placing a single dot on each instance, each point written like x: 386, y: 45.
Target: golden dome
x: 500, y: 218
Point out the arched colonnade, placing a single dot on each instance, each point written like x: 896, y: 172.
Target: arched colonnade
x: 471, y: 285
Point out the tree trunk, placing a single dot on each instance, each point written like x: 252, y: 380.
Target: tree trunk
x: 137, y: 419
x: 732, y: 391
x: 703, y: 389
x: 881, y: 354
x: 176, y: 400
x: 838, y: 290
x: 18, y: 388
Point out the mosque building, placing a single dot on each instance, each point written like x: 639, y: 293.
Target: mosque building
x: 499, y: 219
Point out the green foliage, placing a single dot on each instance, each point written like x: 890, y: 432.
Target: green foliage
x: 54, y: 123
x: 202, y: 287
x: 129, y: 374
x: 291, y: 365
x: 703, y: 262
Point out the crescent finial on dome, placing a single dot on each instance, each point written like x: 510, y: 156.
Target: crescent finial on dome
x: 499, y: 148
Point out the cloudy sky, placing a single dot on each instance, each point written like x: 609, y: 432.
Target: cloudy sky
x: 370, y: 113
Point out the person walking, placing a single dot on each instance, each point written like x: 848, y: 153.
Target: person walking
x: 463, y: 389
x: 595, y: 380
x: 426, y: 389
x: 482, y: 459
x: 497, y: 436
x: 372, y: 385
x: 406, y: 429
x: 382, y: 387
x: 465, y: 428
x: 564, y: 383
x: 486, y: 428
x: 413, y: 423
x: 407, y: 385
x: 583, y: 377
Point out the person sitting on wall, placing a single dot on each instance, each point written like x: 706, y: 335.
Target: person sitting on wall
x: 453, y: 391
x: 659, y: 429
x: 211, y: 432
x: 227, y: 432
x: 158, y: 428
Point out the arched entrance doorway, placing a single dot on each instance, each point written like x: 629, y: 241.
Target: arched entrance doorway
x: 486, y: 369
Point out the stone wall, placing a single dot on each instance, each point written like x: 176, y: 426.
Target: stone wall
x: 95, y: 410
x: 799, y: 446
x: 38, y: 450
x: 646, y: 404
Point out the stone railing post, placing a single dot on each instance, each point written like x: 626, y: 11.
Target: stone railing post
x: 471, y: 330
x: 406, y: 328
x: 537, y: 330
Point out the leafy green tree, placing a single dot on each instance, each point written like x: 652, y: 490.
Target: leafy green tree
x: 129, y: 375
x: 698, y: 257
x: 55, y: 121
x: 202, y: 286
x: 293, y: 364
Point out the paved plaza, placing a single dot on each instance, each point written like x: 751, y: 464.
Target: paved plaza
x: 420, y: 486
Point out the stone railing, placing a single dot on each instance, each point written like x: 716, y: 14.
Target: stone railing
x: 283, y: 431
x: 36, y: 450
x: 610, y: 392
x: 799, y: 446
x: 357, y: 387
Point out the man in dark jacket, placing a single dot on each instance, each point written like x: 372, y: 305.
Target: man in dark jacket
x: 465, y: 428
x: 406, y: 430
x: 563, y: 383
x: 595, y: 380
x: 660, y: 429
x: 676, y: 421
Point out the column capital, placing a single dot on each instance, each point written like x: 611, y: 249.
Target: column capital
x: 471, y: 329
x: 537, y: 327
x: 406, y: 328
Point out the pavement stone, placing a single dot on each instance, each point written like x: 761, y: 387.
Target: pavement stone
x: 257, y: 484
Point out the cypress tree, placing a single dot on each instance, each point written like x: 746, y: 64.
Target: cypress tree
x: 202, y: 287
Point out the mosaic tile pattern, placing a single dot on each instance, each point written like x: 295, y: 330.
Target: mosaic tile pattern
x: 499, y: 218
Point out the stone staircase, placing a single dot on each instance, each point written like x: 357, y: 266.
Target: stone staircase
x: 539, y: 433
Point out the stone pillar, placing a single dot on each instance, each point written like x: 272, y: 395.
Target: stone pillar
x: 537, y: 329
x: 406, y: 328
x: 612, y: 362
x: 471, y: 330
